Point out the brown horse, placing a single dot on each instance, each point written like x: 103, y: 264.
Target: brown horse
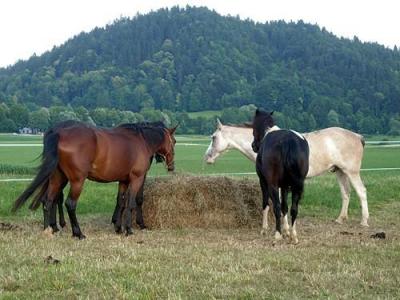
x: 120, y: 154
x: 41, y: 196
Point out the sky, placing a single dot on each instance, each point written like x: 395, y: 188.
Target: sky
x: 35, y: 26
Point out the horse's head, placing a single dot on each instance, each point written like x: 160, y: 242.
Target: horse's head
x: 262, y: 121
x: 218, y: 144
x: 167, y: 149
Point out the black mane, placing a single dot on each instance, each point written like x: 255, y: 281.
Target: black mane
x: 152, y: 132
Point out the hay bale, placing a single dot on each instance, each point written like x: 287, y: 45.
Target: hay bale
x: 201, y: 202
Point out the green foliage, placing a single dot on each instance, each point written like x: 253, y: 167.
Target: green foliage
x: 192, y: 59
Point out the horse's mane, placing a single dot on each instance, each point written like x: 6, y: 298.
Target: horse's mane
x: 152, y: 132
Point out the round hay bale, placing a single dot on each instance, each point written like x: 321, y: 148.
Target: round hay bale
x: 201, y: 202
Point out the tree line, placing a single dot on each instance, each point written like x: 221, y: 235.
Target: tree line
x: 180, y: 60
x: 17, y: 116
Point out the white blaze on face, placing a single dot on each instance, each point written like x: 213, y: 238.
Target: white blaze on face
x: 217, y: 146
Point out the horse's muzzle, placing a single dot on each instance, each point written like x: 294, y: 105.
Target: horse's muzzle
x: 209, y: 159
x: 171, y: 167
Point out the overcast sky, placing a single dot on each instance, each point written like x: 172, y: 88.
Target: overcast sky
x: 34, y: 26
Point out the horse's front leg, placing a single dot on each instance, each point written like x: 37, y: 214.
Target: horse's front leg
x: 119, y: 206
x: 136, y: 183
x: 139, y: 211
x: 265, y: 203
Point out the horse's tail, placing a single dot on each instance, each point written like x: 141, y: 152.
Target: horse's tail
x: 292, y: 154
x: 39, y: 196
x: 362, y: 139
x: 47, y: 167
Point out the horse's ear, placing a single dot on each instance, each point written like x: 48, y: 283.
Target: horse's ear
x: 172, y: 130
x: 257, y: 111
x: 219, y: 124
x: 271, y: 113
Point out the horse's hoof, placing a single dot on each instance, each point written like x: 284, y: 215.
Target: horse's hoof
x: 48, y: 232
x: 63, y: 224
x: 118, y: 229
x: 129, y: 232
x: 278, y: 236
x: 340, y: 220
x: 55, y: 229
x: 285, y: 233
x: 142, y: 227
x: 364, y: 223
x: 80, y: 236
x: 264, y: 231
x: 295, y: 240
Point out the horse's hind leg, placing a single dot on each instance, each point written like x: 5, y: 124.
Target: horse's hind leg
x: 73, y: 196
x: 345, y: 190
x: 60, y: 202
x: 361, y: 191
x: 274, y: 193
x: 56, y: 184
x: 284, y: 204
x: 297, y: 191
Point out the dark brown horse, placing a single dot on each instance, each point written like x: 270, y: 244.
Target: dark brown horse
x: 120, y: 154
x: 41, y: 196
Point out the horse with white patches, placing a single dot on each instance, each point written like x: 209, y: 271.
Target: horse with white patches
x: 282, y: 162
x: 331, y: 149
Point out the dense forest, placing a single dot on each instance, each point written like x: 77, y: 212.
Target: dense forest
x: 173, y: 61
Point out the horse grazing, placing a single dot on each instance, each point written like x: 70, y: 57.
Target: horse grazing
x: 332, y: 149
x: 74, y: 153
x: 282, y: 162
x: 39, y: 198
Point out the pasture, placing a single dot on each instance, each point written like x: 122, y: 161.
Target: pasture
x: 331, y: 260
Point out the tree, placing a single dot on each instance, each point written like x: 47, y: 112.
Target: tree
x: 19, y: 114
x: 39, y: 119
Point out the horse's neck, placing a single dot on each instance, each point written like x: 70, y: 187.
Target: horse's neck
x: 240, y: 139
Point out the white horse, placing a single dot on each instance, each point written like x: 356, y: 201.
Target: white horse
x: 331, y: 149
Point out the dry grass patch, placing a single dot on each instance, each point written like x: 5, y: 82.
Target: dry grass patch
x: 202, y: 202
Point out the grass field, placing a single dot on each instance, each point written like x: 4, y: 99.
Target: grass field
x: 331, y: 260
x: 209, y: 114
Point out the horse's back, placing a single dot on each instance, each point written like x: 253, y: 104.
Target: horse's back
x: 77, y: 147
x: 284, y: 156
x: 334, y: 147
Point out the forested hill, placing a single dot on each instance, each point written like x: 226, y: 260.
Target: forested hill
x: 193, y: 59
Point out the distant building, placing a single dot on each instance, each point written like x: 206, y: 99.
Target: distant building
x: 28, y: 130
x: 25, y: 130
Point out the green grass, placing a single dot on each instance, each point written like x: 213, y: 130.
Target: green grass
x: 15, y: 138
x: 332, y: 261
x: 208, y: 114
